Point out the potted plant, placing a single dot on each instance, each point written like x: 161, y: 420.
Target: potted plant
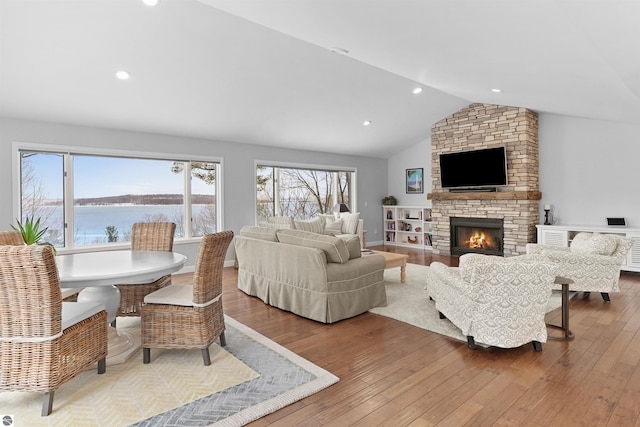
x: 31, y: 232
x: 389, y: 200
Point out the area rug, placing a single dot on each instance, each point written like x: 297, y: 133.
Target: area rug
x: 249, y: 378
x: 409, y: 303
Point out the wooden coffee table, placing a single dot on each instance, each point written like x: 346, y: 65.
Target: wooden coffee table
x: 395, y: 260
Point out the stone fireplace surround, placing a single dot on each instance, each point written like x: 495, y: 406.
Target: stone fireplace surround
x: 484, y: 126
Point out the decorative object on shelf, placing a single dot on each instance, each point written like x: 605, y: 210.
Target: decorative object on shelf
x: 414, y: 240
x: 547, y: 208
x: 389, y: 201
x: 415, y: 181
x: 389, y: 214
x: 418, y: 229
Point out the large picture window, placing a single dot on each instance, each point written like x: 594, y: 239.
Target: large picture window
x: 94, y: 198
x: 301, y: 192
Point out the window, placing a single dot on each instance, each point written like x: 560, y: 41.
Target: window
x: 301, y: 193
x: 94, y: 198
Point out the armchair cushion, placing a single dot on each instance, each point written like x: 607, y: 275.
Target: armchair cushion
x: 74, y: 312
x: 172, y: 295
x: 595, y: 244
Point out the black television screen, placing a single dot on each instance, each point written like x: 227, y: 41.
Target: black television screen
x: 476, y: 168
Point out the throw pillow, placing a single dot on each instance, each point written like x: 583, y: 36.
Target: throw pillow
x: 333, y: 228
x: 350, y: 222
x: 581, y: 242
x: 353, y: 245
x: 315, y: 225
x: 335, y: 249
x: 280, y: 222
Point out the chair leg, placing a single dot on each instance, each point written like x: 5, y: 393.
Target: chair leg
x: 205, y: 356
x: 102, y: 365
x: 47, y: 403
x: 537, y: 345
x: 441, y: 316
x: 146, y: 355
x: 605, y: 296
x: 471, y: 343
x: 113, y: 324
x: 586, y: 295
x: 223, y: 340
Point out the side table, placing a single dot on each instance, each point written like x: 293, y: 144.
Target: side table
x: 568, y: 335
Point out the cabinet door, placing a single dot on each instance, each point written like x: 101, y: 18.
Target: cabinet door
x: 553, y: 237
x: 633, y: 258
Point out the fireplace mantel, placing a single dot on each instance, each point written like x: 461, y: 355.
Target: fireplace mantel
x: 504, y: 195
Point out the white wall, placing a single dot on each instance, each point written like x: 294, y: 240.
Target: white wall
x: 238, y: 162
x: 589, y: 169
x: 417, y: 156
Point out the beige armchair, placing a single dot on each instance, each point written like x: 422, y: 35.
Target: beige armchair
x: 592, y: 261
x: 493, y: 300
x: 44, y: 342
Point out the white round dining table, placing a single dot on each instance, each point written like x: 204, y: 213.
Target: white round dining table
x: 98, y: 273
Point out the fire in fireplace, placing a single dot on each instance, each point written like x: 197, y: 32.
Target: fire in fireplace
x: 480, y: 235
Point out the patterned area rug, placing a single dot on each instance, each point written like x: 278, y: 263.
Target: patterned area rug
x: 409, y: 303
x: 249, y: 378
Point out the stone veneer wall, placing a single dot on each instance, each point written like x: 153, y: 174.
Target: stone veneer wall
x: 485, y: 126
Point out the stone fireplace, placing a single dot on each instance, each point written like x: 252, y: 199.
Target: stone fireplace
x: 516, y: 205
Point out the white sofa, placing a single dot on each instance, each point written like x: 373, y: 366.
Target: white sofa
x: 493, y: 300
x: 323, y: 278
x: 592, y: 261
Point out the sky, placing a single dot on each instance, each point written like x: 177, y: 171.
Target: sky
x: 111, y: 176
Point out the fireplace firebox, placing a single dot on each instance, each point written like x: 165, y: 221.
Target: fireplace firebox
x: 479, y: 235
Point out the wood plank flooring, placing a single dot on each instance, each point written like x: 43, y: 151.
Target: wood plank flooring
x: 394, y: 374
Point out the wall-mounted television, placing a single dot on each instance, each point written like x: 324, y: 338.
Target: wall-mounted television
x: 472, y: 169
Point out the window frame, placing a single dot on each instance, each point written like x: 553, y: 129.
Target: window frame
x: 69, y: 151
x: 307, y: 166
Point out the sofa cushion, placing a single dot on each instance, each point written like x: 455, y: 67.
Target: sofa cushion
x: 350, y: 222
x: 261, y: 233
x: 335, y: 249
x: 315, y: 225
x: 594, y: 244
x: 333, y: 228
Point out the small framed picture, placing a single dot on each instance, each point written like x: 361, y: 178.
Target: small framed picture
x: 415, y: 181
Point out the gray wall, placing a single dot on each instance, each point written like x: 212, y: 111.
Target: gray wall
x: 417, y: 156
x: 238, y: 161
x: 589, y: 170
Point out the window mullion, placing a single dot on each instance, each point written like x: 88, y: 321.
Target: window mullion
x: 68, y: 201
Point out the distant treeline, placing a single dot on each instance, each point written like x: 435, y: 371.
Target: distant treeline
x: 147, y: 199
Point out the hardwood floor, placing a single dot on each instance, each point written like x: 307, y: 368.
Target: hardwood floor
x: 394, y: 374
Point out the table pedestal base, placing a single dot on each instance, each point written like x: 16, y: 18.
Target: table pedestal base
x: 121, y: 344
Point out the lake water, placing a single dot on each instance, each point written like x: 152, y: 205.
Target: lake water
x: 91, y: 221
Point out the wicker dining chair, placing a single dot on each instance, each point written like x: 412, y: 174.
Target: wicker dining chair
x: 14, y: 238
x: 44, y: 342
x: 11, y: 237
x: 189, y: 316
x: 145, y: 236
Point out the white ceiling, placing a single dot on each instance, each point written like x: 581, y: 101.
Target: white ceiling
x: 260, y: 72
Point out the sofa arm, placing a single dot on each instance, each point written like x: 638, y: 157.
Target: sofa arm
x: 360, y: 232
x: 583, y: 259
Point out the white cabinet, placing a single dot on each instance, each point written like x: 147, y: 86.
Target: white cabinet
x: 407, y: 226
x: 561, y: 235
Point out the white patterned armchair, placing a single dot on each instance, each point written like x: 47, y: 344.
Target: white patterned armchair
x: 592, y: 261
x: 495, y: 301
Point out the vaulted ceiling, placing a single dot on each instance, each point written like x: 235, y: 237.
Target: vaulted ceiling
x: 262, y: 72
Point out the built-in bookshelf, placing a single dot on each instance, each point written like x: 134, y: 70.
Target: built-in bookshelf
x: 407, y: 226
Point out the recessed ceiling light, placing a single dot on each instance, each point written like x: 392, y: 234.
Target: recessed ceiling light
x: 496, y: 90
x: 123, y: 75
x: 150, y: 2
x: 367, y: 122
x: 417, y: 90
x: 339, y: 50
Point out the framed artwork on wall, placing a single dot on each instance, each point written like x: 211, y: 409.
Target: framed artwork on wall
x: 415, y: 181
